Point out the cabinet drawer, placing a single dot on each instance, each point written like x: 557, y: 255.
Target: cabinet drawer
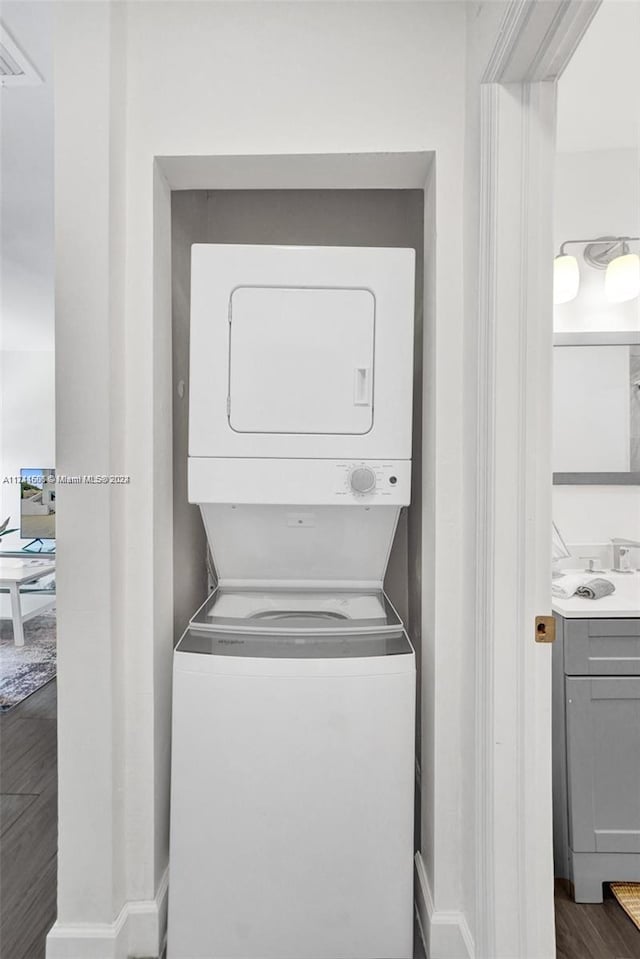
x: 602, y: 647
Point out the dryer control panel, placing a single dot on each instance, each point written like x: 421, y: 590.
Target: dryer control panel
x: 367, y: 480
x: 299, y: 481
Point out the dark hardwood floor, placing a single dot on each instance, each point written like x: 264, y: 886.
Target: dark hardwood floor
x: 28, y: 839
x: 599, y: 931
x: 28, y: 824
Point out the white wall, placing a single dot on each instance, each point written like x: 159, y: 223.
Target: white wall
x: 27, y: 436
x: 27, y: 426
x: 588, y: 517
x: 27, y: 401
x: 612, y: 511
x: 26, y: 261
x: 593, y: 108
x: 209, y: 79
x: 597, y: 193
x: 99, y: 660
x: 26, y: 187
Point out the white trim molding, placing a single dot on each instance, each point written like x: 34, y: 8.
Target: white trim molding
x: 537, y: 39
x: 138, y: 931
x: 445, y: 933
x: 514, y: 906
x: 512, y: 528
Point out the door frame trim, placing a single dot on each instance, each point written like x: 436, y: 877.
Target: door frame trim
x: 512, y: 523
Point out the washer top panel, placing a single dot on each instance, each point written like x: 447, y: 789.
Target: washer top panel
x: 294, y: 645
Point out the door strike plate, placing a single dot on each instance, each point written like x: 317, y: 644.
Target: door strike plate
x: 545, y: 629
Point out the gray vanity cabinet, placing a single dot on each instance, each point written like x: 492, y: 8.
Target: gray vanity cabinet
x: 603, y: 759
x: 596, y: 753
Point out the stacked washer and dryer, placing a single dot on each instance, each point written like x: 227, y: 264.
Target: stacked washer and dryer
x: 294, y: 684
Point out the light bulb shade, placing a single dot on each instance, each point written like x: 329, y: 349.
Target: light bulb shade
x: 622, y: 279
x: 566, y: 279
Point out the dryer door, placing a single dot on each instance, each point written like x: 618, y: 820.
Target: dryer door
x: 301, y: 360
x: 301, y: 352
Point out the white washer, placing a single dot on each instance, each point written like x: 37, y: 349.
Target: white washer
x: 292, y: 796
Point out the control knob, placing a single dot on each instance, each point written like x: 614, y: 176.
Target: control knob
x: 362, y: 479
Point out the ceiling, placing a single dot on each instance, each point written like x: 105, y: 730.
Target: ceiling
x: 598, y: 92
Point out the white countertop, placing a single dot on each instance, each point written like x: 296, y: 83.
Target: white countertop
x: 623, y: 604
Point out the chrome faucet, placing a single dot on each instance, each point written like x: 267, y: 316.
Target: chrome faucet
x: 621, y: 548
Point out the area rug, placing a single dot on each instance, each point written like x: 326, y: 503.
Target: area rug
x: 23, y: 669
x: 628, y: 895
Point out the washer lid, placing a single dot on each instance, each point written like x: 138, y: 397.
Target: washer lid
x: 294, y: 646
x: 297, y: 611
x: 273, y: 546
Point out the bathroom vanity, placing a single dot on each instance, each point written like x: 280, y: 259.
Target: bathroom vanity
x: 596, y: 739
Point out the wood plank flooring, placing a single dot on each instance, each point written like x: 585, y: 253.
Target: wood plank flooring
x: 594, y: 931
x: 28, y: 825
x: 28, y: 840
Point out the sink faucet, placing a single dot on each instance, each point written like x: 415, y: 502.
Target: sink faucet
x: 621, y: 548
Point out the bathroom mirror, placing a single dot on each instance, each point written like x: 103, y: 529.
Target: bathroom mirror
x: 596, y: 409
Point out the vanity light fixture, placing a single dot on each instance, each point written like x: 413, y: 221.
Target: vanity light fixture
x: 566, y: 278
x: 622, y: 279
x: 610, y: 253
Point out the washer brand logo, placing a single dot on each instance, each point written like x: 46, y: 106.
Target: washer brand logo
x: 231, y: 642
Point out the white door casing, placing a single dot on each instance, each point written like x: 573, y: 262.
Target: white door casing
x: 514, y: 880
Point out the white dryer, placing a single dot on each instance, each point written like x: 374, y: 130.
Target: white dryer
x: 300, y: 352
x: 294, y: 684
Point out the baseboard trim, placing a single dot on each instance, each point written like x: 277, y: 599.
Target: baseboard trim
x: 138, y: 931
x: 90, y: 940
x: 445, y: 933
x: 148, y: 922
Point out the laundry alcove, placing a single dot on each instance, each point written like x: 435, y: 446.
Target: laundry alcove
x: 366, y: 200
